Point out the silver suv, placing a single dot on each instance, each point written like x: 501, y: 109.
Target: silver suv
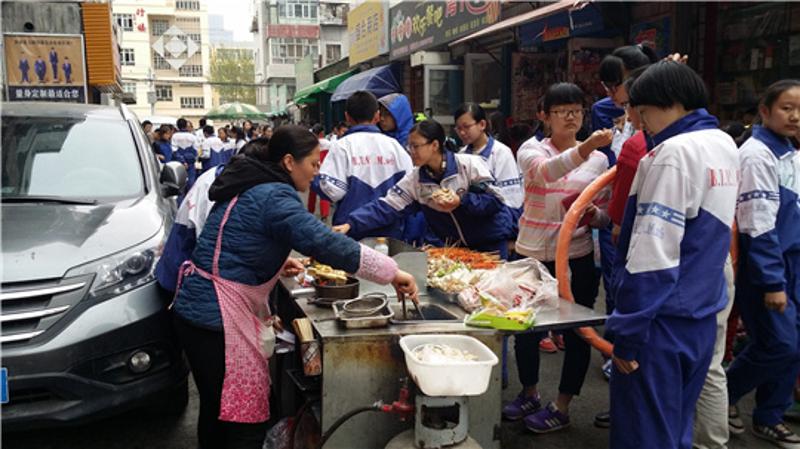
x: 86, y: 208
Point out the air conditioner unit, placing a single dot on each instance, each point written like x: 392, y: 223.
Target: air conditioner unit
x: 429, y: 58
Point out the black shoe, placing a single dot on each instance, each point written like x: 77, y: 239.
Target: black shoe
x: 602, y: 420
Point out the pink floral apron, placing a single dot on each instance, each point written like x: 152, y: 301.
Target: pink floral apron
x: 245, y: 387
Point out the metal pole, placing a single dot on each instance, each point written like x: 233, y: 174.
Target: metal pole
x: 151, y: 97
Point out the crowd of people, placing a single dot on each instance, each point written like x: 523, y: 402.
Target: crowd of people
x: 663, y: 231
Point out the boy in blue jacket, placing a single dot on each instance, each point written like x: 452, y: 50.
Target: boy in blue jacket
x: 362, y: 165
x: 669, y: 282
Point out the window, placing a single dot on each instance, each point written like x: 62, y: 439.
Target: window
x: 188, y: 19
x: 125, y: 21
x: 163, y: 92
x: 192, y: 102
x: 291, y: 50
x: 126, y: 56
x: 52, y: 155
x: 158, y: 27
x: 190, y: 70
x: 130, y: 88
x: 187, y: 5
x: 297, y: 9
x: 333, y: 53
x: 195, y: 37
x: 159, y: 63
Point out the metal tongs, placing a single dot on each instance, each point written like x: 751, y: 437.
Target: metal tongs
x: 416, y: 307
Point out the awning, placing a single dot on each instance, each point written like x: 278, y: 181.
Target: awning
x: 538, y: 13
x: 306, y: 94
x: 379, y: 80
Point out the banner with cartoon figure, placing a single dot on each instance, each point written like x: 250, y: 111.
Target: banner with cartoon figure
x: 45, y: 67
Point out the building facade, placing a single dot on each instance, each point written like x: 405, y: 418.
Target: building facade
x: 285, y: 32
x: 165, y: 54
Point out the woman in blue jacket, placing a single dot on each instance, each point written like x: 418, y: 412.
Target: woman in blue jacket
x: 221, y: 313
x: 767, y: 288
x: 455, y: 192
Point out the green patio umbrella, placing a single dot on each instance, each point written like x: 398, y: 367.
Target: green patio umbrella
x: 235, y: 110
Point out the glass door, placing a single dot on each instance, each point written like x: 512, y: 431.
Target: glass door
x: 444, y: 91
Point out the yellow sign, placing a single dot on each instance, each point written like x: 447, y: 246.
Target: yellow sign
x: 367, y: 29
x: 45, y: 67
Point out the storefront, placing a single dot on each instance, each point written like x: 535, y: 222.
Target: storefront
x: 438, y: 82
x: 756, y: 45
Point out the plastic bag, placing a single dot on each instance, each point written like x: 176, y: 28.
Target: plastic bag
x: 279, y: 436
x: 522, y: 284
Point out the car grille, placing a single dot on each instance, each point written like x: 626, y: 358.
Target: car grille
x: 28, y: 309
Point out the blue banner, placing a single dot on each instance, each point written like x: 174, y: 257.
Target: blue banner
x: 562, y: 25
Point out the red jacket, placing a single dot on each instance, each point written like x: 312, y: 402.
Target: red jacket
x: 632, y: 151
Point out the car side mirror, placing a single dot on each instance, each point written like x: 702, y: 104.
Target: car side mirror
x: 173, y: 178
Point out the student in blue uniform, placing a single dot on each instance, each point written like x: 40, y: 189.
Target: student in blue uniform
x: 767, y: 287
x: 362, y: 165
x: 668, y: 276
x: 474, y: 216
x: 184, y: 147
x: 163, y: 145
x: 614, y: 70
x: 472, y: 129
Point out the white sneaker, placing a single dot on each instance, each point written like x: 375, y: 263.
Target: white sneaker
x: 779, y: 434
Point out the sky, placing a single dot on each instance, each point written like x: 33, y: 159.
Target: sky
x: 238, y: 16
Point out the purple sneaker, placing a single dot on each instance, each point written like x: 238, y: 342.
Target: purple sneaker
x: 548, y: 419
x: 521, y: 407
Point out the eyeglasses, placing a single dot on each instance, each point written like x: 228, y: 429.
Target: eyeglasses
x: 610, y: 88
x: 564, y: 113
x: 416, y: 146
x: 465, y: 128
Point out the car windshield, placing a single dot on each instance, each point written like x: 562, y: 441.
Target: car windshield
x: 69, y: 159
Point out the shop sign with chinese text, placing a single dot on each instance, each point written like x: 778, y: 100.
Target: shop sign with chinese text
x: 367, y: 29
x: 416, y: 26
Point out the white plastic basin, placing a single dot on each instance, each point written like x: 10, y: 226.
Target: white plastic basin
x: 457, y: 378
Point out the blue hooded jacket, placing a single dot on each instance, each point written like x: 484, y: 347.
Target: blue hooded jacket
x: 400, y: 108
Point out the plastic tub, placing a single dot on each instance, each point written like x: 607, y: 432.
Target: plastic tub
x: 457, y: 378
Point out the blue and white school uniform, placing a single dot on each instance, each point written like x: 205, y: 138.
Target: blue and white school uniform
x: 505, y: 170
x: 482, y: 221
x: 188, y: 224
x: 669, y: 282
x: 184, y: 150
x: 215, y: 152
x: 361, y: 167
x: 768, y: 217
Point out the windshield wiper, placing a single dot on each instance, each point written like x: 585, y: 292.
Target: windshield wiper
x: 47, y: 199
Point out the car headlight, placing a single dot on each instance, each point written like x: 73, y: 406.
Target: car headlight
x: 123, y: 271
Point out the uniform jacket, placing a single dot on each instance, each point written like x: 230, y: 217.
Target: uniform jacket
x: 675, y: 234
x: 481, y: 220
x: 361, y: 167
x: 189, y: 222
x: 768, y: 214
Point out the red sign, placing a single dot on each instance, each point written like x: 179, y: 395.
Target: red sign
x: 300, y: 31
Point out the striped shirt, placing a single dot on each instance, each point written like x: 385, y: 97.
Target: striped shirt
x: 550, y: 177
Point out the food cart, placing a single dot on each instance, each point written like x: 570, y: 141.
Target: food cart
x: 362, y: 366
